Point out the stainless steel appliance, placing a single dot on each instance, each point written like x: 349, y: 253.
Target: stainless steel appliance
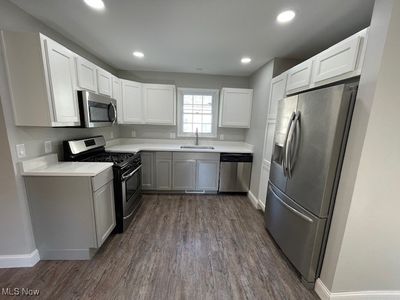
x: 127, y: 174
x: 309, y: 144
x: 96, y: 110
x: 235, y: 172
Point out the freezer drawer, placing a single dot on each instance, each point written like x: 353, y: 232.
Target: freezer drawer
x: 297, y: 232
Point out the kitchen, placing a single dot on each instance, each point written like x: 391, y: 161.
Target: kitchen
x: 187, y: 171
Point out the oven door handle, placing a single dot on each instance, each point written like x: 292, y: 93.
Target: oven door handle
x: 126, y: 176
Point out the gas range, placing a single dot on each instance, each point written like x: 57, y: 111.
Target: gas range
x: 126, y: 169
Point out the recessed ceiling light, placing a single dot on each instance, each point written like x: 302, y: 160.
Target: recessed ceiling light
x: 245, y: 60
x: 138, y: 54
x: 96, y: 4
x: 286, y: 16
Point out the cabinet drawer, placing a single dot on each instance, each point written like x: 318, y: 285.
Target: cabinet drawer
x: 164, y: 155
x: 195, y: 155
x: 101, y: 179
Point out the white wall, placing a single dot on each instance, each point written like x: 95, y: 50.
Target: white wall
x: 363, y: 251
x: 15, y: 227
x: 202, y: 81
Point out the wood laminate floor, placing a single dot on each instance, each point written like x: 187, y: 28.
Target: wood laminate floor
x: 178, y: 247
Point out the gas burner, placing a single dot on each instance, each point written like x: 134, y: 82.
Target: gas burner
x: 116, y: 158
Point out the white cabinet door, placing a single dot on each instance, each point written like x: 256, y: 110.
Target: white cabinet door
x: 262, y: 194
x: 87, y: 75
x: 116, y: 89
x: 184, y: 174
x: 207, y: 175
x: 147, y: 170
x: 104, y: 82
x: 60, y: 65
x: 337, y: 60
x: 299, y: 77
x: 132, y: 102
x: 160, y: 104
x: 269, y: 140
x: 277, y: 92
x: 104, y: 211
x: 266, y: 161
x: 235, y: 108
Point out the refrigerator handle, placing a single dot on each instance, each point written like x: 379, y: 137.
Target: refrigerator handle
x: 294, y: 141
x: 285, y: 145
x: 295, y: 211
x: 289, y: 146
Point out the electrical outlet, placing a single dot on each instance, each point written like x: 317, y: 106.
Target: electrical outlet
x: 112, y: 134
x: 172, y: 135
x: 48, y: 147
x: 133, y: 134
x: 21, y: 153
x: 221, y: 137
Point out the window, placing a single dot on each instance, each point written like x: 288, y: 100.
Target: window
x: 197, y: 110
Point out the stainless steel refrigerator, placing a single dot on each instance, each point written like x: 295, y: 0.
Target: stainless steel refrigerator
x: 309, y: 144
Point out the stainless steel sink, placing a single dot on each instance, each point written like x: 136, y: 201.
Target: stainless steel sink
x: 197, y: 147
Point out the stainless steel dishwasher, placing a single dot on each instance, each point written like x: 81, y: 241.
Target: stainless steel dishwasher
x: 235, y: 172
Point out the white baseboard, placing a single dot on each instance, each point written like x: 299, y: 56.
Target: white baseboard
x: 323, y: 292
x: 255, y: 201
x: 19, y: 260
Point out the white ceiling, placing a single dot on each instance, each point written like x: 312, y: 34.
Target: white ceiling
x: 184, y: 35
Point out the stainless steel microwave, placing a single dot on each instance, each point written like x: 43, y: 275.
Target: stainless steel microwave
x: 96, y: 110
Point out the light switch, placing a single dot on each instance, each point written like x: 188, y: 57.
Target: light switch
x: 48, y: 147
x: 133, y: 133
x: 221, y: 137
x: 21, y: 150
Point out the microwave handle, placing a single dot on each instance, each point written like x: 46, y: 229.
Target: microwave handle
x: 115, y: 113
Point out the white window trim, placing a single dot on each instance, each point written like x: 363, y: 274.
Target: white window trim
x: 193, y: 91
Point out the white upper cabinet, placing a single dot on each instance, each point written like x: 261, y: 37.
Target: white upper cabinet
x: 60, y: 63
x: 160, y: 104
x: 116, y: 93
x: 41, y: 77
x: 86, y: 74
x: 235, y: 107
x: 104, y: 86
x: 299, y: 76
x: 132, y: 102
x: 277, y: 92
x: 341, y: 61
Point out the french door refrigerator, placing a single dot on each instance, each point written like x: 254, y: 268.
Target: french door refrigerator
x: 309, y: 144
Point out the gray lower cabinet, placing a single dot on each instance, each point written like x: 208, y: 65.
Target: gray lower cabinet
x: 163, y: 171
x: 194, y: 171
x: 207, y: 175
x: 148, y: 178
x: 72, y: 216
x: 184, y: 174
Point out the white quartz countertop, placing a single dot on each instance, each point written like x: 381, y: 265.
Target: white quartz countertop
x: 49, y: 165
x: 175, y: 146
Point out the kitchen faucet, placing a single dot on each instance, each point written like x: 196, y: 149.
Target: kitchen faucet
x: 197, y: 137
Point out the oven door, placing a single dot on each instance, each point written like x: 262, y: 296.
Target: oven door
x: 131, y: 191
